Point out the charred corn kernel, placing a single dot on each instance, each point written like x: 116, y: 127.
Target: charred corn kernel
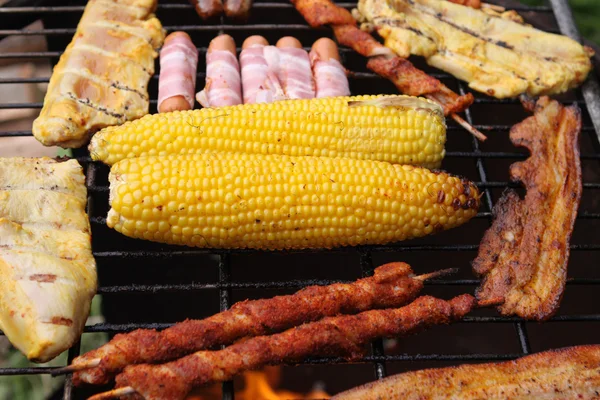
x: 396, y: 129
x: 228, y: 200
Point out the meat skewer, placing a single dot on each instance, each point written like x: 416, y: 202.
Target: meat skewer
x: 569, y: 373
x: 290, y: 63
x: 408, y: 79
x: 259, y: 84
x: 177, y: 80
x: 223, y: 82
x: 238, y: 10
x: 331, y: 336
x: 392, y: 285
x: 208, y: 9
x: 329, y: 73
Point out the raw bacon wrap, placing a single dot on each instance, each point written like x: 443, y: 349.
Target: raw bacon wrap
x: 292, y: 67
x: 178, y: 63
x: 259, y: 83
x: 223, y: 82
x: 330, y: 77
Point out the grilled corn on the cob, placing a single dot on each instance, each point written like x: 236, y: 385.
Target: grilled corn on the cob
x: 222, y: 200
x: 397, y: 129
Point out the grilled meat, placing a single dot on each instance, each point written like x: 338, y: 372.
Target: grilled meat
x: 496, y: 55
x: 393, y: 285
x: 523, y: 256
x: 208, y: 9
x: 48, y: 274
x: 329, y: 73
x: 331, y: 336
x: 102, y: 77
x: 324, y: 12
x: 569, y: 373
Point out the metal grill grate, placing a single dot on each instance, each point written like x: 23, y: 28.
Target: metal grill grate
x: 485, y: 163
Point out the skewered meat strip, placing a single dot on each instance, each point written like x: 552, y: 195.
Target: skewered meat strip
x: 392, y: 285
x: 331, y: 336
x: 523, y: 256
x: 324, y: 12
x: 569, y: 373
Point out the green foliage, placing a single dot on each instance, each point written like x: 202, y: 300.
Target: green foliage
x: 586, y: 13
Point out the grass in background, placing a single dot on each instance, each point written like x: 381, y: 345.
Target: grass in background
x: 586, y: 13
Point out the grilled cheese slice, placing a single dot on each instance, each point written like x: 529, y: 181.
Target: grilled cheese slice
x: 102, y: 77
x: 495, y: 54
x: 47, y: 271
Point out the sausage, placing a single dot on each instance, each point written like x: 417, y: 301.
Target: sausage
x: 259, y: 84
x: 238, y: 10
x: 208, y: 9
x: 329, y: 74
x: 223, y: 82
x: 177, y: 80
x: 290, y: 63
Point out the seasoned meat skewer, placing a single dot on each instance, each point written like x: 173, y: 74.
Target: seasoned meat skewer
x: 392, y: 285
x: 569, y: 373
x: 331, y: 336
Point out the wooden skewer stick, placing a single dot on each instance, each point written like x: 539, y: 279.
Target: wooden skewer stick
x: 435, y: 274
x: 496, y: 301
x: 469, y: 128
x: 75, y: 367
x: 112, y: 394
x: 493, y: 7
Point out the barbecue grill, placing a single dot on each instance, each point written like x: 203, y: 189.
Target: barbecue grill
x: 147, y: 285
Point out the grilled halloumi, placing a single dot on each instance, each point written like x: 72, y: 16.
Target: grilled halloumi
x: 47, y: 271
x: 102, y: 77
x: 496, y: 55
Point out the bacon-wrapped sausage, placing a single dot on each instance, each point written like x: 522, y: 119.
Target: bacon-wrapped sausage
x: 290, y: 63
x: 329, y: 73
x: 259, y: 83
x: 177, y: 80
x: 223, y: 82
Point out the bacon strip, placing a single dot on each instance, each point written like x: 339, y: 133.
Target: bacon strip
x: 330, y: 77
x: 223, y: 82
x: 569, y: 373
x: 523, y: 256
x: 292, y: 68
x: 332, y: 336
x: 178, y: 63
x: 392, y: 285
x: 259, y: 84
x: 324, y: 12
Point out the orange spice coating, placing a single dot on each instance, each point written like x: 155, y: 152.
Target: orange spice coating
x: 391, y: 286
x: 331, y: 336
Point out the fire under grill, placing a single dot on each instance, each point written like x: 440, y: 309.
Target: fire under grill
x: 147, y: 285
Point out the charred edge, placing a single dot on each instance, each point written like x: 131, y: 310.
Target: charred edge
x: 61, y: 321
x: 116, y: 85
x: 42, y: 277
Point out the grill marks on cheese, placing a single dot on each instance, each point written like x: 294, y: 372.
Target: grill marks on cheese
x: 47, y: 271
x: 495, y: 55
x: 102, y: 77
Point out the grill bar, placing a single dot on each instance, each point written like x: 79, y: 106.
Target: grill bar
x: 482, y: 156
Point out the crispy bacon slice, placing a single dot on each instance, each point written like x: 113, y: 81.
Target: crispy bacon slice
x: 332, y: 336
x: 523, y: 256
x: 407, y: 78
x: 393, y: 285
x: 569, y: 373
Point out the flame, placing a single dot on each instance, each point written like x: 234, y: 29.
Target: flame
x: 259, y: 385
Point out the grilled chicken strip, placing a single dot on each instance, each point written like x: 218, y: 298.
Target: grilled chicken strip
x: 392, y: 285
x: 569, y: 373
x: 102, y: 77
x: 47, y: 271
x: 324, y: 12
x: 495, y: 55
x: 523, y: 256
x: 331, y: 336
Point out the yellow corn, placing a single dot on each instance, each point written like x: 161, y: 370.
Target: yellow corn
x: 397, y: 129
x: 229, y: 200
